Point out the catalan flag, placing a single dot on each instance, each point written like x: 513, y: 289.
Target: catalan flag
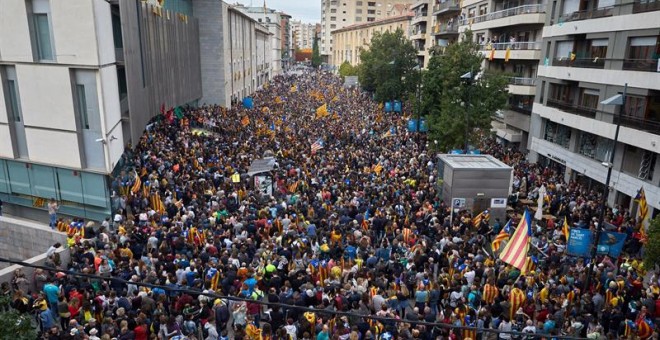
x: 482, y: 216
x: 515, y: 251
x: 644, y: 328
x: 507, y: 54
x: 407, y: 233
x: 322, y: 111
x: 566, y: 231
x: 530, y: 264
x: 365, y: 221
x: 318, y: 145
x: 377, y: 168
x: 492, y: 54
x: 502, y: 236
x: 137, y: 184
x: 642, y: 213
x: 294, y: 186
x: 516, y: 299
x: 490, y: 293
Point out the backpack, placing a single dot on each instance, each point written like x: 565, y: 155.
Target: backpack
x: 189, y: 327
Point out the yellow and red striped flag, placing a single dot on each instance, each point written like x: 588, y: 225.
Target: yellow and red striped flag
x: 137, y: 184
x: 490, y: 293
x: 507, y: 54
x: 483, y: 216
x: 566, y: 231
x: 515, y: 251
x: 502, y: 236
x: 406, y: 234
x: 516, y: 299
x: 642, y: 213
x: 245, y: 121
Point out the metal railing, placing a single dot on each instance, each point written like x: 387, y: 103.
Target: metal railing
x: 523, y: 45
x: 521, y: 109
x: 572, y: 108
x: 522, y: 81
x: 580, y: 62
x: 447, y: 6
x: 652, y: 126
x: 445, y: 28
x: 588, y: 14
x: 420, y: 15
x: 646, y: 65
x: 525, y: 9
x: 646, y: 6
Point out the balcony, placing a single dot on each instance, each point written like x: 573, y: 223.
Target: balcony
x: 646, y: 6
x: 418, y: 35
x: 648, y: 125
x: 420, y: 17
x: 524, y: 10
x: 588, y: 14
x: 446, y: 7
x: 418, y: 4
x: 644, y: 65
x: 522, y: 86
x: 580, y: 62
x: 526, y: 50
x: 572, y: 108
x: 445, y: 29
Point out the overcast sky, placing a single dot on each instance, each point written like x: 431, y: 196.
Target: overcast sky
x: 309, y: 11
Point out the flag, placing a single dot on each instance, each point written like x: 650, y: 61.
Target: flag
x: 644, y: 329
x: 407, y: 233
x: 377, y: 168
x: 483, y: 216
x: 503, y: 235
x: 530, y: 265
x: 137, y: 184
x: 507, y: 55
x: 294, y: 186
x: 492, y: 54
x: 566, y: 229
x: 516, y: 299
x: 322, y: 111
x: 572, y: 56
x: 365, y: 221
x: 490, y: 293
x: 515, y: 251
x: 245, y: 121
x: 318, y: 145
x: 278, y: 100
x: 387, y: 134
x: 642, y: 213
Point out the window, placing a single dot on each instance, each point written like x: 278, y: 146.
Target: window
x: 333, y: 10
x: 358, y: 11
x: 564, y: 49
x: 644, y: 48
x: 378, y: 12
x: 13, y: 101
x: 635, y: 107
x: 333, y: 26
x: 371, y: 11
x: 595, y: 147
x: 483, y: 9
x: 81, y: 105
x: 598, y: 48
x: 472, y: 12
x: 371, y: 3
x: 557, y: 133
x: 589, y: 99
x: 333, y: 18
x: 43, y: 45
x: 358, y: 3
x: 371, y: 19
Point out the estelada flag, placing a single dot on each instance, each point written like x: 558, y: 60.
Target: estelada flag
x: 515, y: 251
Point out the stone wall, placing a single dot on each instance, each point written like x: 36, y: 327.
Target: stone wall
x: 22, y: 240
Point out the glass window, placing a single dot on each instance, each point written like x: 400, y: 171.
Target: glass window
x: 358, y: 19
x: 557, y: 133
x: 43, y: 181
x: 19, y: 179
x: 333, y: 10
x: 81, y: 104
x: 589, y: 98
x: 42, y: 35
x: 358, y: 3
x: 483, y: 9
x: 635, y: 107
x: 13, y: 101
x: 358, y: 11
x: 595, y: 147
x: 598, y: 48
x: 644, y: 48
x: 564, y: 49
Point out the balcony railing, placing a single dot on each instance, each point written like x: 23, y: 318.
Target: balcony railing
x: 445, y: 28
x: 525, y: 9
x: 447, y: 6
x: 652, y: 126
x: 588, y: 14
x: 521, y: 109
x: 646, y: 6
x: 420, y: 15
x: 580, y: 62
x: 522, y: 81
x: 523, y: 45
x: 572, y: 108
x: 646, y: 65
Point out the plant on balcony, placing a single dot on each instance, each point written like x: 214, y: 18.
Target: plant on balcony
x: 386, y: 67
x: 446, y: 96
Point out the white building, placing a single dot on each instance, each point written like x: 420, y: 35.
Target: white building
x: 79, y: 80
x: 272, y: 20
x: 591, y: 49
x: 303, y: 34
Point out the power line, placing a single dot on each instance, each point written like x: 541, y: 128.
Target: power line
x: 283, y: 305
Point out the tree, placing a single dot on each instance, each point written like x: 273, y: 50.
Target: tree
x: 14, y: 325
x: 346, y: 69
x: 452, y: 102
x: 652, y: 247
x: 386, y: 68
x: 316, y: 54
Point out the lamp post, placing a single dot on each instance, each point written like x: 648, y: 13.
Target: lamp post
x: 392, y: 74
x: 468, y: 79
x: 418, y: 68
x: 619, y: 99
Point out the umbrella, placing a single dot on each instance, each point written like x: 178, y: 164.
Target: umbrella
x: 539, y: 202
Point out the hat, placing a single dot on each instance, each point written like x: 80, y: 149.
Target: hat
x: 60, y: 275
x: 92, y: 331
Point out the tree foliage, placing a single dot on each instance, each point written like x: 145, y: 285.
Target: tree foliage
x: 386, y: 68
x: 346, y: 69
x: 652, y: 247
x: 14, y: 325
x: 452, y: 102
x: 316, y: 54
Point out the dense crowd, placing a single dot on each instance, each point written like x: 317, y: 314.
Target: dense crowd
x: 353, y: 224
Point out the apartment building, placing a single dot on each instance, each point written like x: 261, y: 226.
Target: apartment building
x: 444, y: 29
x: 79, y: 80
x: 336, y: 14
x: 590, y: 50
x: 272, y: 20
x: 350, y: 40
x: 510, y: 36
x: 236, y: 52
x: 420, y: 29
x: 303, y: 34
x: 286, y: 40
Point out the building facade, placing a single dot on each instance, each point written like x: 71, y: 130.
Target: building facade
x: 590, y: 50
x: 79, y: 81
x: 270, y: 19
x: 336, y: 14
x: 510, y: 37
x: 236, y: 52
x: 420, y: 30
x: 303, y: 35
x: 286, y: 40
x: 350, y: 40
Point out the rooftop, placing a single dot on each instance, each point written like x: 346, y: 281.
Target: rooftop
x: 483, y: 162
x: 382, y: 21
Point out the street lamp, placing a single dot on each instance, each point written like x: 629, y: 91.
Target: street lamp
x: 468, y: 79
x: 620, y: 100
x: 418, y: 68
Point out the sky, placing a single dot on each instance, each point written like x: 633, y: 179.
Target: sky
x: 309, y: 11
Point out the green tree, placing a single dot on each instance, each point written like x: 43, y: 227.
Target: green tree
x: 452, y: 102
x: 14, y: 325
x: 652, y: 247
x: 386, y: 68
x: 316, y: 54
x: 346, y: 69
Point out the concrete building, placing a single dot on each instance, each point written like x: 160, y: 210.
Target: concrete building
x: 270, y: 19
x: 590, y: 50
x: 79, y: 80
x: 444, y: 28
x: 501, y: 26
x: 419, y: 27
x: 236, y: 52
x: 286, y: 40
x: 303, y: 34
x: 336, y: 14
x: 350, y: 40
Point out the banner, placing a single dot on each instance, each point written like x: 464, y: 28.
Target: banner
x: 388, y: 106
x: 579, y: 242
x: 610, y: 243
x: 248, y: 103
x: 397, y: 106
x: 412, y: 125
x: 423, y: 126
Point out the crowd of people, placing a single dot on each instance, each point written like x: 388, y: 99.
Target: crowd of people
x: 351, y: 242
